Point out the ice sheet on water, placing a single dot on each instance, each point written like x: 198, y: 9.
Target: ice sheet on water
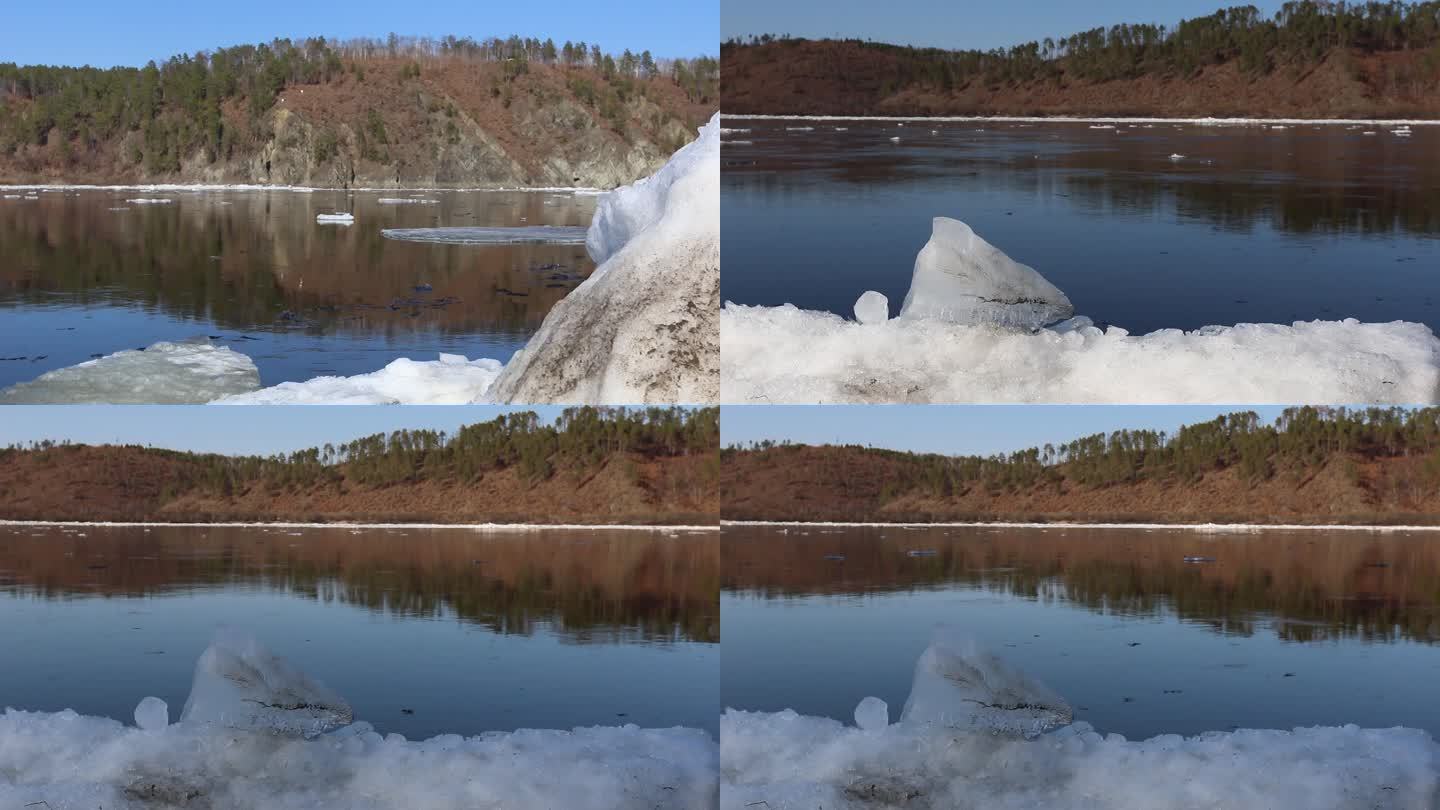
x: 181, y: 373
x: 239, y: 684
x: 787, y: 761
x: 532, y: 234
x: 960, y: 685
x: 451, y: 380
x: 961, y: 278
x: 644, y: 326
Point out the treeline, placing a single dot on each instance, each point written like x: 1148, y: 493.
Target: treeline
x: 581, y: 439
x: 1300, y: 32
x: 1300, y: 440
x: 186, y: 104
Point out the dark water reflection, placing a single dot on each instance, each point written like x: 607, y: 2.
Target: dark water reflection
x: 255, y: 270
x: 1275, y: 629
x: 470, y: 631
x: 1251, y: 224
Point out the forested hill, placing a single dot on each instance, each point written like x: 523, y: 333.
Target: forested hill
x: 1313, y: 465
x: 448, y: 112
x: 595, y: 465
x: 1311, y: 60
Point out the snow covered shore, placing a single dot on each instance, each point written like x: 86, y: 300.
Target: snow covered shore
x: 225, y: 753
x: 946, y: 753
x: 975, y: 328
x: 643, y: 328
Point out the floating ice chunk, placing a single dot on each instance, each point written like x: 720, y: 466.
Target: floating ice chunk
x: 644, y: 326
x: 407, y: 201
x: 335, y: 219
x: 533, y: 234
x: 959, y: 685
x: 152, y: 714
x: 1177, y: 157
x: 183, y: 373
x: 961, y: 278
x: 788, y: 355
x: 872, y: 714
x: 895, y: 139
x: 151, y: 201
x: 451, y: 380
x: 872, y: 307
x: 12, y: 196
x: 241, y: 685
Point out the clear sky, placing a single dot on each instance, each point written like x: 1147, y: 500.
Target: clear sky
x: 105, y: 33
x: 240, y: 430
x: 955, y: 25
x: 956, y: 429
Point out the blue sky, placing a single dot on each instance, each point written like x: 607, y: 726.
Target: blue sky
x: 954, y: 25
x: 105, y: 33
x: 956, y: 429
x: 234, y: 430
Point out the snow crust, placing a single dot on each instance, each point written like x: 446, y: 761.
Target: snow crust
x: 643, y: 328
x: 183, y: 373
x: 67, y: 761
x: 451, y: 380
x: 533, y: 234
x: 787, y: 761
x: 969, y: 331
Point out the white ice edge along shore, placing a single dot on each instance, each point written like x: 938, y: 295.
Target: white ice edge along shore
x: 479, y: 527
x: 1247, y: 528
x: 1041, y: 119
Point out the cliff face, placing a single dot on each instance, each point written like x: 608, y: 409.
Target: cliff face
x: 455, y: 124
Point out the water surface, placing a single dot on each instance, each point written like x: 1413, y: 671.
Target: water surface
x: 87, y: 273
x: 1248, y: 224
x: 424, y: 631
x: 1277, y: 629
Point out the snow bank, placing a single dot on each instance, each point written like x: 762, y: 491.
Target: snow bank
x: 163, y: 373
x: 451, y: 380
x: 968, y: 333
x: 534, y: 234
x: 644, y: 326
x: 66, y: 761
x: 786, y: 761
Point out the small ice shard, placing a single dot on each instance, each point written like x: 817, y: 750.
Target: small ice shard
x: 963, y: 279
x: 895, y: 139
x: 465, y: 235
x: 241, y: 685
x: 960, y: 685
x: 174, y: 373
x: 872, y: 307
x: 872, y: 714
x: 337, y: 219
x: 1177, y: 157
x: 152, y: 714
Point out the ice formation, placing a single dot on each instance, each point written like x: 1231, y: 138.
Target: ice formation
x: 152, y: 714
x: 872, y: 714
x: 241, y: 685
x: 406, y: 201
x: 238, y: 759
x: 961, y: 278
x: 644, y: 326
x: 959, y: 685
x: 534, y: 234
x: 787, y: 761
x: 968, y: 333
x: 335, y: 219
x: 182, y: 373
x: 872, y: 307
x: 451, y: 380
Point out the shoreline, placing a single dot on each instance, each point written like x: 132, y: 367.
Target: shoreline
x: 1197, y: 527
x: 1101, y: 119
x: 480, y: 527
x: 210, y: 187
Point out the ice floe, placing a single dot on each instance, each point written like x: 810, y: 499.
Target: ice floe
x: 533, y: 234
x: 67, y: 761
x: 451, y: 380
x: 335, y: 219
x: 968, y: 332
x: 150, y: 201
x: 787, y: 761
x: 644, y: 326
x: 406, y: 201
x: 182, y: 373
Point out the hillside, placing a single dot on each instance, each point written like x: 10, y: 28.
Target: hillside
x: 656, y: 467
x: 1317, y: 466
x: 1313, y: 60
x: 452, y: 113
